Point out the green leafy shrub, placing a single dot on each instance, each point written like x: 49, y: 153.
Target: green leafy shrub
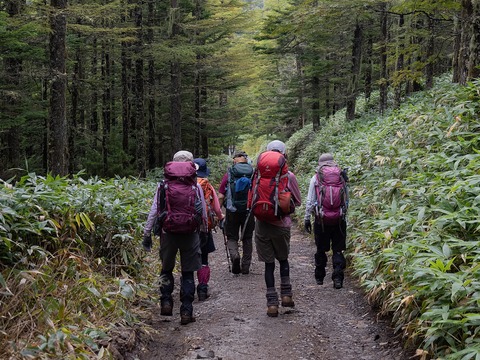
x: 70, y: 263
x: 414, y: 219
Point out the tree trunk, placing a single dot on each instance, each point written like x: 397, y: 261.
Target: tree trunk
x: 328, y: 107
x: 125, y: 99
x: 316, y: 103
x: 430, y: 54
x: 383, y: 60
x: 400, y: 62
x: 139, y: 94
x: 94, y: 96
x: 151, y: 116
x: 301, y: 93
x: 474, y: 49
x: 106, y: 110
x: 368, y: 67
x: 197, y: 109
x: 355, y: 72
x: 58, y: 129
x: 456, y: 48
x: 151, y: 90
x: 74, y: 113
x: 175, y: 87
x: 12, y: 75
x: 463, y: 54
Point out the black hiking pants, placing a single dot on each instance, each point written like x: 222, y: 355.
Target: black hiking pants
x: 330, y: 237
x: 234, y: 223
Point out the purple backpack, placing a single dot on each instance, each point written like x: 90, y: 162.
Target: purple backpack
x: 331, y: 195
x: 182, y: 207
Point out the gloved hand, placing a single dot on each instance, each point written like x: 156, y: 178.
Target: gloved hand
x: 147, y: 243
x: 221, y: 224
x: 308, y: 226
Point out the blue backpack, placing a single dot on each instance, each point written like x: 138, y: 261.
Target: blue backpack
x: 238, y: 185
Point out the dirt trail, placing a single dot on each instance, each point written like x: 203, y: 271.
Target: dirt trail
x: 232, y: 324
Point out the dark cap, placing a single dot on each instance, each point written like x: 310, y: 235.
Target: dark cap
x: 240, y: 154
x: 202, y: 170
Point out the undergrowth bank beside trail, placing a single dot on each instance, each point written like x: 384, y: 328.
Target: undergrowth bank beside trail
x: 414, y: 221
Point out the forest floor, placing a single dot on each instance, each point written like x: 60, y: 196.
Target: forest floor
x: 326, y: 323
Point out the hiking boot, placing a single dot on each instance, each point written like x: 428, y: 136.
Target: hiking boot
x: 202, y: 295
x: 287, y: 301
x: 319, y: 281
x: 337, y: 283
x: 245, y: 270
x: 272, y: 311
x: 202, y: 292
x: 236, y: 266
x: 186, y: 318
x: 166, y: 308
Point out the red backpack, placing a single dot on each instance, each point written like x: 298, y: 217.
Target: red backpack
x: 180, y: 206
x: 331, y: 193
x: 208, y: 192
x: 270, y: 198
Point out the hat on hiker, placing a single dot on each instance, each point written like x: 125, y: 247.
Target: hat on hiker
x: 240, y: 154
x: 325, y: 159
x: 202, y: 170
x: 277, y: 145
x: 183, y: 156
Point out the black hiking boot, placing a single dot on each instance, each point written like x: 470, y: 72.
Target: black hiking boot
x: 202, y: 292
x: 319, y: 281
x: 186, y: 318
x: 236, y: 266
x: 337, y: 283
x: 245, y: 270
x: 166, y: 308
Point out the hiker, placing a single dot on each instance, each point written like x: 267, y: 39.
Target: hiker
x: 273, y: 180
x: 179, y: 207
x: 233, y: 194
x: 215, y: 217
x: 327, y: 200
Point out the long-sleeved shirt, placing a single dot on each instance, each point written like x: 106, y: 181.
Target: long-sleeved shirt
x: 311, y: 198
x: 152, y: 215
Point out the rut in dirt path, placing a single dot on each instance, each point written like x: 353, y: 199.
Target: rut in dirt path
x: 326, y: 323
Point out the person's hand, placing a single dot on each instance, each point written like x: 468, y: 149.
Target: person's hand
x: 221, y: 224
x: 308, y: 226
x: 147, y: 243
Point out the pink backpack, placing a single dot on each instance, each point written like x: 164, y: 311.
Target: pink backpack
x: 182, y: 206
x: 331, y: 193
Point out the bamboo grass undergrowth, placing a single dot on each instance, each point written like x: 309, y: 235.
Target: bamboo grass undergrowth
x: 414, y: 218
x: 70, y: 263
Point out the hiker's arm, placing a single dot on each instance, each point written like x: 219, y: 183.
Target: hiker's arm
x: 216, y: 205
x: 152, y: 214
x: 222, y: 190
x: 294, y: 189
x: 204, y: 226
x: 311, y: 198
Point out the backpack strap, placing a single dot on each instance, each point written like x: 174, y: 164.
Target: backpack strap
x: 319, y: 193
x: 256, y: 175
x: 278, y: 177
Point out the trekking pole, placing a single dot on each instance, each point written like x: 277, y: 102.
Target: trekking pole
x: 244, y: 226
x: 226, y: 250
